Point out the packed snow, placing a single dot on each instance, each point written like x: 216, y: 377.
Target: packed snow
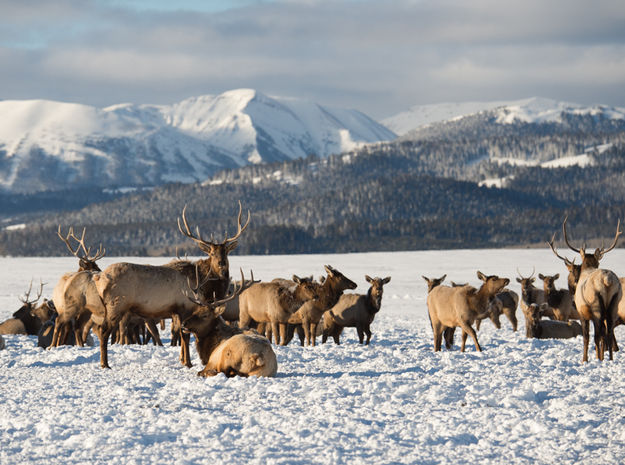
x: 520, y: 401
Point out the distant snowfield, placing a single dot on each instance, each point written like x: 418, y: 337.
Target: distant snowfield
x: 520, y: 401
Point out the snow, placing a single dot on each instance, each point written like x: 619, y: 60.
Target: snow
x: 520, y: 401
x: 530, y: 110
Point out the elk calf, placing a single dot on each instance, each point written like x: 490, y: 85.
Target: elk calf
x: 560, y: 301
x: 355, y: 311
x: 549, y: 329
x: 449, y: 307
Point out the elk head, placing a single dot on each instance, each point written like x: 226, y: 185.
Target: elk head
x: 28, y: 304
x: 574, y: 270
x: 86, y: 261
x: 549, y: 282
x: 205, y: 315
x: 376, y: 289
x: 492, y: 283
x: 591, y: 260
x: 217, y: 261
x: 433, y: 282
x: 307, y: 288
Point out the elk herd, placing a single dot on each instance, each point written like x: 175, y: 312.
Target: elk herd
x: 235, y: 322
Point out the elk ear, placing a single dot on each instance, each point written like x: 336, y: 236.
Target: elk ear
x: 556, y: 276
x: 386, y: 280
x: 368, y: 278
x: 231, y: 246
x: 296, y: 279
x: 519, y: 280
x: 481, y: 276
x: 540, y: 275
x: 219, y: 310
x: 442, y: 278
x: 329, y: 270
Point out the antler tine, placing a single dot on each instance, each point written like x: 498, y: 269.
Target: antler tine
x: 40, y: 292
x: 566, y: 239
x: 203, y: 244
x: 616, y: 236
x: 553, y: 248
x: 239, y: 227
x: 98, y: 255
x: 70, y: 234
x: 27, y: 294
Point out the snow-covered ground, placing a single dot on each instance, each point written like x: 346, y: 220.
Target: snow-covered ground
x: 395, y: 401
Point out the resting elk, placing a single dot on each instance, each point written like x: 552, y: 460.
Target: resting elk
x: 30, y: 317
x: 224, y: 348
x: 597, y: 294
x: 449, y: 307
x: 549, y: 329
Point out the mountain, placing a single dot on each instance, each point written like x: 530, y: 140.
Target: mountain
x: 533, y: 110
x: 50, y: 146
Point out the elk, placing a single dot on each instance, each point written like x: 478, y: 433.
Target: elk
x: 215, y: 267
x: 74, y: 295
x: 156, y: 292
x: 559, y: 301
x: 449, y: 307
x: 448, y: 334
x: 29, y: 318
x: 3, y: 344
x: 224, y: 348
x: 505, y: 302
x: 530, y: 294
x: 355, y: 311
x: 549, y: 329
x: 597, y: 294
x: 310, y: 313
x: 272, y: 304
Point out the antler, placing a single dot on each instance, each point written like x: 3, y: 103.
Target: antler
x: 81, y: 245
x: 553, y: 249
x: 198, y: 299
x: 602, y: 252
x: 228, y: 240
x: 530, y: 276
x: 566, y: 239
x: 25, y: 300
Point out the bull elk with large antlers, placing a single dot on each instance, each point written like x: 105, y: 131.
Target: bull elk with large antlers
x: 597, y: 294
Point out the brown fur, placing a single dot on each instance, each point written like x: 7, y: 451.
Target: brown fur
x: 449, y: 307
x: 549, y: 329
x: 560, y: 301
x: 355, y: 311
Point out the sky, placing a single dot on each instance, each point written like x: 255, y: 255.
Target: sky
x: 380, y: 57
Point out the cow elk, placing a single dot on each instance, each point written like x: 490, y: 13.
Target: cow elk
x: 355, y: 311
x: 597, y: 294
x: 449, y: 307
x: 559, y: 301
x: 549, y: 329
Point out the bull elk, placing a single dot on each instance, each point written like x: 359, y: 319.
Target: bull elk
x: 224, y: 348
x: 30, y: 317
x: 449, y: 307
x: 75, y: 296
x: 597, y: 294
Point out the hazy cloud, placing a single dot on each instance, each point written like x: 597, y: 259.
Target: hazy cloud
x: 378, y: 56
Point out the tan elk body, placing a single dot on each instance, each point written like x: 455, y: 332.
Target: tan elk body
x: 449, y: 307
x: 549, y: 329
x: 355, y: 311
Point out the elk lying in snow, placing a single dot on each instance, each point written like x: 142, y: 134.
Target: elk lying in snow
x: 559, y: 301
x: 272, y: 304
x: 310, y: 313
x: 549, y: 329
x: 228, y: 349
x: 355, y: 311
x: 46, y: 333
x: 29, y: 318
x: 504, y: 302
x: 597, y: 294
x: 449, y: 307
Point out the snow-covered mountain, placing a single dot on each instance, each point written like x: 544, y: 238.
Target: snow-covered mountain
x: 46, y: 145
x: 531, y: 110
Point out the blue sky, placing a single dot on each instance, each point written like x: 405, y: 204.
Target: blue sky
x: 380, y: 57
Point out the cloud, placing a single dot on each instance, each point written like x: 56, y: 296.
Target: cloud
x: 378, y: 56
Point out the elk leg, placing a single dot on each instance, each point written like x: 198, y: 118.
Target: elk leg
x: 368, y: 333
x: 184, y: 349
x: 586, y: 337
x: 282, y: 327
x: 466, y: 328
x: 478, y: 323
x: 153, y: 331
x: 598, y: 326
x: 275, y: 332
x: 313, y: 333
x: 105, y: 332
x: 361, y: 334
x: 464, y: 340
x: 300, y: 334
x: 438, y: 336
